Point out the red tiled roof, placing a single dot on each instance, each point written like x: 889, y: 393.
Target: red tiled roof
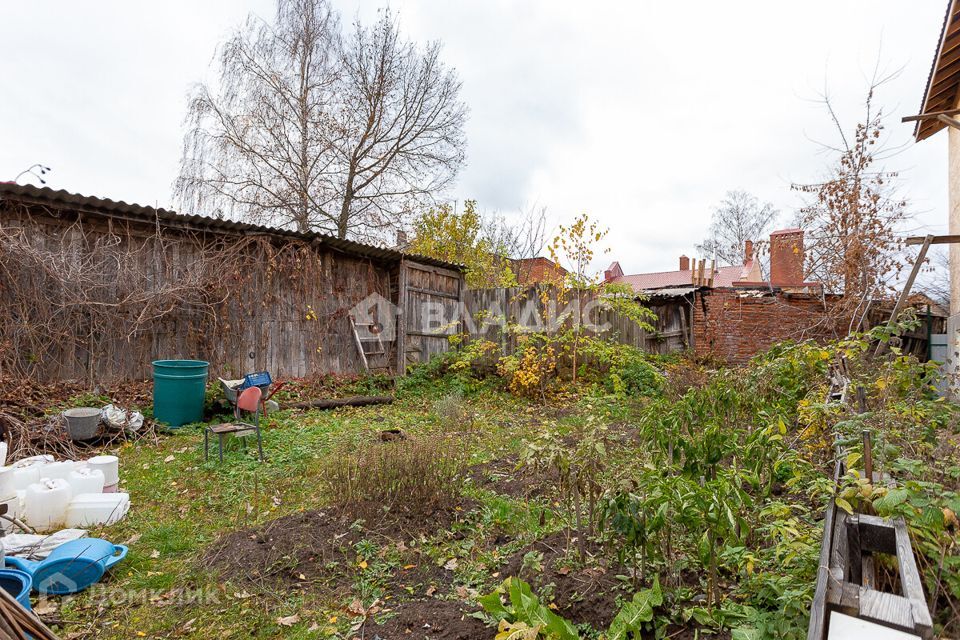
x: 723, y: 277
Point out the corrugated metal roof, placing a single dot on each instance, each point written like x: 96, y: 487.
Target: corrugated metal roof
x: 670, y: 292
x: 113, y: 208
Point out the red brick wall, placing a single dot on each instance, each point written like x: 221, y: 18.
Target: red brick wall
x: 734, y: 325
x: 536, y: 270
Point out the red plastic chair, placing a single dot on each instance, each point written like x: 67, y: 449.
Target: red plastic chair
x: 249, y: 401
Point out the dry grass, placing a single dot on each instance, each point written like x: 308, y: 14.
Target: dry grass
x: 416, y: 475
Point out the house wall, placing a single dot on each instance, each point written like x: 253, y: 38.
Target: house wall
x: 734, y: 325
x: 954, y: 217
x: 531, y: 271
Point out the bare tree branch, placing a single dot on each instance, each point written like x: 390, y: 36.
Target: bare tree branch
x: 309, y: 129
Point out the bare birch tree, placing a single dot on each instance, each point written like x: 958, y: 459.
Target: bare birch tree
x: 311, y: 129
x: 738, y: 218
x: 399, y: 127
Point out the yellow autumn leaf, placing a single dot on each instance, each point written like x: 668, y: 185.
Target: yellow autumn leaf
x: 843, y: 504
x: 363, y: 564
x: 333, y: 619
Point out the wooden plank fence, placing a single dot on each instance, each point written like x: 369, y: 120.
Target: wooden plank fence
x: 488, y: 311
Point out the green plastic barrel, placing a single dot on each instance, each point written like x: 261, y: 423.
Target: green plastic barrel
x: 179, y: 387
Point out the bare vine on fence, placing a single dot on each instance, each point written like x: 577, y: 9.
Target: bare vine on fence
x: 81, y: 292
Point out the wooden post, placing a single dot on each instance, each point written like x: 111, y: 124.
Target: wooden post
x: 902, y: 300
x: 401, y: 319
x: 867, y: 456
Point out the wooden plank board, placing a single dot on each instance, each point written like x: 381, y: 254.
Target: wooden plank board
x: 818, y: 608
x: 910, y: 577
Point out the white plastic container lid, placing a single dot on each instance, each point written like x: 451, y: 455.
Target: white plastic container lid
x: 110, y: 465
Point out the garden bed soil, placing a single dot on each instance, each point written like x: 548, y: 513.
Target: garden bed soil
x: 430, y: 619
x: 503, y: 477
x: 581, y: 594
x: 316, y: 548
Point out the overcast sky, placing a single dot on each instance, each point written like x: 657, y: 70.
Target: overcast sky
x: 640, y: 113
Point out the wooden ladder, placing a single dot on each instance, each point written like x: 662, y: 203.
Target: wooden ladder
x: 369, y: 339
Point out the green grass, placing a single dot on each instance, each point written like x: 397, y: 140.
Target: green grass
x: 181, y: 504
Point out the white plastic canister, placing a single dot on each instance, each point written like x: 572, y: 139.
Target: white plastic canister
x: 60, y: 469
x: 8, y: 486
x: 91, y: 509
x: 86, y: 480
x: 109, y: 465
x: 23, y: 477
x: 33, y: 461
x: 45, y: 505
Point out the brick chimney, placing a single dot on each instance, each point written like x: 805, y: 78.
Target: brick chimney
x: 786, y: 257
x: 684, y: 263
x: 613, y: 272
x: 747, y: 251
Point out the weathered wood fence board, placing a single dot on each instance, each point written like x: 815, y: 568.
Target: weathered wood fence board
x: 488, y: 311
x: 281, y: 303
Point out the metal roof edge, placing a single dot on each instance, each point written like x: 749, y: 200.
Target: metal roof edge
x: 106, y: 206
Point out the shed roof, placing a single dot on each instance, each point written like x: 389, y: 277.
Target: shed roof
x: 944, y: 78
x: 723, y: 277
x: 120, y: 209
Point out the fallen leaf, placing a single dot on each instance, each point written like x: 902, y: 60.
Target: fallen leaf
x: 154, y: 554
x: 288, y: 621
x: 356, y: 607
x: 170, y: 458
x: 332, y: 620
x: 451, y: 564
x: 302, y: 577
x: 432, y: 589
x: 45, y: 607
x: 407, y: 567
x: 133, y: 539
x: 563, y: 570
x: 362, y: 564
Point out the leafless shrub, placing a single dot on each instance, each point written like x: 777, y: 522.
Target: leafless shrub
x: 81, y: 297
x: 453, y: 412
x: 416, y: 476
